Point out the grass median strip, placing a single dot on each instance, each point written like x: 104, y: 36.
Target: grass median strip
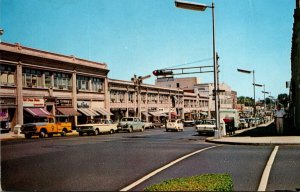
x: 205, y: 182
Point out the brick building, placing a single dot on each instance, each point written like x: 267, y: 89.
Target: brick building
x: 295, y: 66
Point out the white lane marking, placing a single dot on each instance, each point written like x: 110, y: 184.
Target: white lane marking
x: 266, y: 173
x: 163, y: 168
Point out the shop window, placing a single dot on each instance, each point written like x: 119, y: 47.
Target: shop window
x: 7, y: 75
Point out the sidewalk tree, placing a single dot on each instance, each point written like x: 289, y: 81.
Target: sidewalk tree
x: 247, y: 101
x: 283, y: 99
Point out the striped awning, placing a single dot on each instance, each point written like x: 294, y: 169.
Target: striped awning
x: 103, y: 111
x: 37, y: 112
x: 68, y: 111
x: 157, y: 114
x: 88, y: 112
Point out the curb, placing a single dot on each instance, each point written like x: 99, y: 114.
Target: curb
x: 247, y: 143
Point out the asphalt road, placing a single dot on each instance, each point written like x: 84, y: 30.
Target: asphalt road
x: 112, y: 162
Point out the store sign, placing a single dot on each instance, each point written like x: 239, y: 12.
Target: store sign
x: 7, y: 101
x: 83, y: 104
x: 33, y: 102
x: 64, y: 102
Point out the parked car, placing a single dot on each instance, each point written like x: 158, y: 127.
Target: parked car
x: 243, y: 124
x: 46, y: 126
x: 188, y: 123
x: 97, y: 127
x: 158, y: 124
x: 174, y: 124
x: 208, y: 126
x: 131, y: 124
x: 4, y: 128
x: 148, y: 125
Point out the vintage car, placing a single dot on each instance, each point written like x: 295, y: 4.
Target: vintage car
x: 188, y: 123
x: 148, y: 125
x: 97, y: 127
x: 131, y: 124
x: 46, y: 127
x: 243, y: 124
x: 174, y: 125
x: 208, y: 126
x: 158, y: 124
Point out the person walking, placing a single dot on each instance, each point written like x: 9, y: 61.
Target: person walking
x: 279, y: 115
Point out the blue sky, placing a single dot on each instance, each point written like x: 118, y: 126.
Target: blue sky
x: 139, y: 36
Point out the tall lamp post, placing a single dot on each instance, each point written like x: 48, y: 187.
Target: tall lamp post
x: 202, y: 7
x: 265, y: 92
x: 254, y: 85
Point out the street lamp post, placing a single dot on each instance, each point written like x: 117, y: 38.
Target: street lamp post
x: 202, y: 7
x: 265, y: 92
x: 254, y: 85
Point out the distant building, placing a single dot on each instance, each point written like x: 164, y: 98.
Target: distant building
x: 295, y: 66
x: 227, y: 98
x: 186, y: 84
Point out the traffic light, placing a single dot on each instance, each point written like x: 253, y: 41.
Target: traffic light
x: 162, y: 73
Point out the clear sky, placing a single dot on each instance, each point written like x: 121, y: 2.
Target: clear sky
x: 139, y: 36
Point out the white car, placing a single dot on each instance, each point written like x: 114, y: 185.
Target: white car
x: 148, y: 125
x: 101, y: 126
x: 174, y: 124
x: 243, y: 124
x: 208, y: 126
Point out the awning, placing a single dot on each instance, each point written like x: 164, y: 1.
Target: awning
x: 103, y: 111
x: 68, y: 111
x: 38, y: 112
x: 144, y: 113
x: 157, y: 114
x: 88, y: 112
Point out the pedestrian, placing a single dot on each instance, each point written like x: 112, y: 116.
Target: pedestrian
x: 279, y: 115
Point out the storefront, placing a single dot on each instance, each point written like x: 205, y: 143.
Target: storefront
x: 87, y: 114
x: 7, y: 113
x: 34, y: 107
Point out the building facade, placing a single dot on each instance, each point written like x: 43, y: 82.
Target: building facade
x: 145, y: 101
x: 295, y: 66
x: 37, y: 83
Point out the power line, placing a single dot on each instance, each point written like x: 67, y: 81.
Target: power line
x: 189, y: 63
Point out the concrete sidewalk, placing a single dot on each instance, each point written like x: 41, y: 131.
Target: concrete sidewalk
x: 264, y: 134
x: 12, y: 136
x: 279, y: 140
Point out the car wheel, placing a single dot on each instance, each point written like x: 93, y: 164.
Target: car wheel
x: 64, y: 132
x: 28, y: 136
x: 80, y: 134
x: 96, y: 132
x: 43, y: 133
x: 112, y: 131
x: 167, y: 130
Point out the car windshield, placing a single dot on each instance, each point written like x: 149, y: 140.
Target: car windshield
x: 173, y: 120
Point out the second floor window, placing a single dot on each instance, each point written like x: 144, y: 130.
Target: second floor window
x: 62, y: 80
x: 97, y: 84
x: 32, y: 78
x: 7, y: 75
x: 82, y: 83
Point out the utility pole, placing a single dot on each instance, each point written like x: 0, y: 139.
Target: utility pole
x: 137, y: 81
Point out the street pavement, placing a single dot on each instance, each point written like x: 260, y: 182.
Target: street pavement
x: 264, y: 134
